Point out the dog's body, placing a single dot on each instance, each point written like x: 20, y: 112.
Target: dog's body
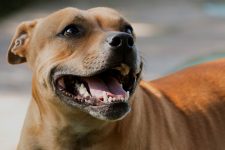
x: 184, y: 111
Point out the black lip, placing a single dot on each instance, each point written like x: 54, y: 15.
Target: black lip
x: 111, y: 111
x: 55, y: 75
x: 60, y: 71
x: 117, y: 110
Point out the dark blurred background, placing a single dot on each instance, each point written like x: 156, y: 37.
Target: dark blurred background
x: 171, y: 35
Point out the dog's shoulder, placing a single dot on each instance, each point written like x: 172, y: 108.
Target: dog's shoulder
x: 197, y: 87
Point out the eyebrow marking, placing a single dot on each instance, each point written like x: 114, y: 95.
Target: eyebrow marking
x: 116, y: 22
x: 121, y: 20
x: 79, y: 19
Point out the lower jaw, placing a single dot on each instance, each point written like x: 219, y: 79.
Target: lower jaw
x: 92, y: 101
x: 109, y: 112
x: 112, y: 112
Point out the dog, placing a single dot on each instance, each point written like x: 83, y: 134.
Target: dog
x: 87, y: 92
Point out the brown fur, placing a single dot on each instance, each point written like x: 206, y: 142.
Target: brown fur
x: 183, y: 111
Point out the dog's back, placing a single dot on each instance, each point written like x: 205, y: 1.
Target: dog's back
x: 189, y: 108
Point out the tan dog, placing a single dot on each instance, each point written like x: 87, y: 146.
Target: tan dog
x: 85, y: 93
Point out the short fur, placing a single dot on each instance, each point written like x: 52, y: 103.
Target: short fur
x: 183, y: 111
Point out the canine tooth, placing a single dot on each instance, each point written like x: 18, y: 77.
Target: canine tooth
x: 110, y: 99
x: 127, y: 95
x: 86, y: 94
x: 105, y: 97
x: 83, y: 91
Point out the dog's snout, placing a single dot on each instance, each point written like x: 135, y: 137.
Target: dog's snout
x: 120, y: 40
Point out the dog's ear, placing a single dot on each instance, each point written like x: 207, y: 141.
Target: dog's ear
x: 18, y: 47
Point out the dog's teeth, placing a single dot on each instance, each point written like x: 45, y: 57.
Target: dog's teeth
x: 86, y: 94
x: 110, y: 99
x: 127, y: 95
x: 105, y: 97
x: 83, y: 91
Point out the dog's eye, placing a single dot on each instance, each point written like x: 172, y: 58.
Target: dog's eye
x: 128, y: 29
x: 72, y: 30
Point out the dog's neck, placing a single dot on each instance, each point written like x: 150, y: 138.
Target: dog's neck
x: 63, y: 131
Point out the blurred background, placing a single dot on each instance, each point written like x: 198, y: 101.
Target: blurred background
x: 171, y: 34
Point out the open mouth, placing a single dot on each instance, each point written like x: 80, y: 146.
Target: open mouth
x: 111, y: 86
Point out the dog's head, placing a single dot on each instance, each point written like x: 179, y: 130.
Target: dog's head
x: 81, y: 59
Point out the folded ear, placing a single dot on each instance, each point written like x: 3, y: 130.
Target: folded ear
x: 18, y: 47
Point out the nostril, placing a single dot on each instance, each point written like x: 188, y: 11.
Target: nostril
x: 116, y: 41
x: 130, y: 42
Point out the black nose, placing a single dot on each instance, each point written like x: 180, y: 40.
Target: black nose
x: 120, y: 40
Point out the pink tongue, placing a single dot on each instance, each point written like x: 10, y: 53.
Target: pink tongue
x: 111, y: 86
